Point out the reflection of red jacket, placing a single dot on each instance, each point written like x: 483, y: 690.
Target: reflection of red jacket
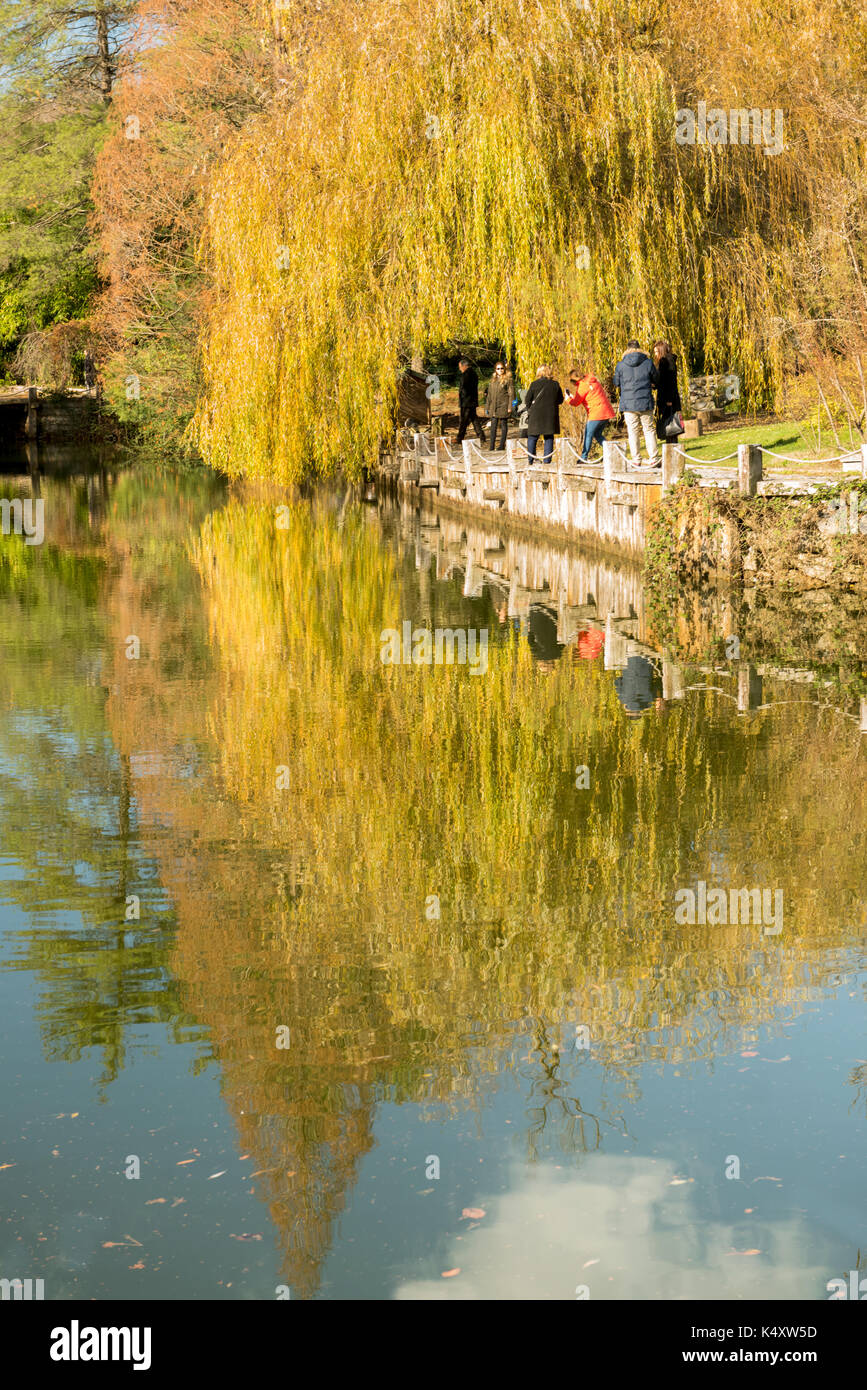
x: 590, y: 644
x: 590, y: 393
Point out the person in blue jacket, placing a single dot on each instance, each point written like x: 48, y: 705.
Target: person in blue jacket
x: 635, y: 377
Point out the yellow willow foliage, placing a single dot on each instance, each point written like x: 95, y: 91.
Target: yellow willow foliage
x: 439, y: 169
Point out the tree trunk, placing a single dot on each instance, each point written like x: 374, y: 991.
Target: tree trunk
x: 106, y: 67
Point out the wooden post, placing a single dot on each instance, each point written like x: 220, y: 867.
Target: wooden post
x: 864, y: 460
x: 32, y: 412
x: 672, y: 466
x: 749, y: 468
x: 864, y: 714
x: 468, y: 467
x: 608, y: 464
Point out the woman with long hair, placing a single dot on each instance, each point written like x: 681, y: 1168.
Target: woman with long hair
x: 667, y: 394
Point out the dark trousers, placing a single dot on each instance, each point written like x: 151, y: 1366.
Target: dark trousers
x: 593, y: 430
x: 469, y: 417
x: 499, y: 428
x: 532, y: 441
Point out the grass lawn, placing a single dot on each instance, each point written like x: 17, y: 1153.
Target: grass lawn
x: 783, y: 436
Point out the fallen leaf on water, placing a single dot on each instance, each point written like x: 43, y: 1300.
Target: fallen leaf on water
x: 743, y: 1252
x: 472, y: 1213
x: 140, y: 1265
x: 678, y: 1182
x: 292, y: 1172
x: 767, y: 1179
x: 776, y: 1059
x: 245, y: 1236
x: 181, y: 1161
x: 748, y: 1210
x: 155, y: 1201
x: 111, y: 1244
x: 749, y: 1054
x: 178, y: 1200
x: 449, y: 1273
x: 221, y: 1174
x: 74, y: 1114
x: 6, y: 1165
x: 132, y: 1240
x: 588, y: 1263
x: 243, y: 1156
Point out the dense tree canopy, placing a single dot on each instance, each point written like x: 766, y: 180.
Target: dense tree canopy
x: 58, y: 65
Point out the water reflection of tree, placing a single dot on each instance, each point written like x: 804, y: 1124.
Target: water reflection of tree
x: 577, y: 1130
x: 66, y: 814
x: 406, y: 783
x: 306, y: 907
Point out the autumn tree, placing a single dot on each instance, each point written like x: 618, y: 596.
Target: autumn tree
x: 58, y: 64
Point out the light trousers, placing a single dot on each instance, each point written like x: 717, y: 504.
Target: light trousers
x: 632, y: 418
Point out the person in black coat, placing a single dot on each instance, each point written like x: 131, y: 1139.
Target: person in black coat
x: 667, y: 394
x: 542, y: 402
x: 468, y: 400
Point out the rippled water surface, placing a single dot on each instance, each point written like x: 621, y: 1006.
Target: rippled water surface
x: 378, y: 971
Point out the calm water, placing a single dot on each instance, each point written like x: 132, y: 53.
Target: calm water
x: 335, y: 952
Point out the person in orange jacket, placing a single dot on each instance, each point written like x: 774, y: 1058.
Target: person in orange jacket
x: 589, y: 392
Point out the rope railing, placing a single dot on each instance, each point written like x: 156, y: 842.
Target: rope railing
x: 790, y: 458
x: 723, y: 458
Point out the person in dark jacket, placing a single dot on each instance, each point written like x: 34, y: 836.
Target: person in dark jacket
x: 468, y: 399
x: 635, y: 376
x: 667, y: 395
x: 543, y: 401
x: 498, y: 404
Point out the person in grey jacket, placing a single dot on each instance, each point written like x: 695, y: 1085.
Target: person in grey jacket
x: 635, y: 377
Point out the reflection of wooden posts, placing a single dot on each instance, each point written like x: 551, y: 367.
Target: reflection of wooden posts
x: 519, y: 599
x: 672, y: 466
x: 672, y: 680
x: 473, y: 586
x: 749, y: 687
x: 32, y: 412
x: 615, y: 647
x: 749, y: 469
x: 864, y: 714
x: 31, y: 450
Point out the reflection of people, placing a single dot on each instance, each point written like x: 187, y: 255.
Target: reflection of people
x: 589, y: 644
x: 543, y: 637
x: 638, y: 686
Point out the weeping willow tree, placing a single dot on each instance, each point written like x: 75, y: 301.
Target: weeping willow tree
x: 445, y: 172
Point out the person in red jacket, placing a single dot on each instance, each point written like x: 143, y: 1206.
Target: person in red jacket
x: 589, y: 392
